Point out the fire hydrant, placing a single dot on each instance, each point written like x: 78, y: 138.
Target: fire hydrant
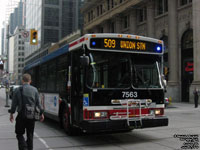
x: 170, y: 100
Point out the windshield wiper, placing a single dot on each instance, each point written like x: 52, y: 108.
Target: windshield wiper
x: 137, y: 75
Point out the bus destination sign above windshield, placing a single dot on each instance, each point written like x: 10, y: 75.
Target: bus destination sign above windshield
x: 125, y: 45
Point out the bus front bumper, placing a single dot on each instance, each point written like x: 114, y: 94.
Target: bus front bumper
x: 117, y: 125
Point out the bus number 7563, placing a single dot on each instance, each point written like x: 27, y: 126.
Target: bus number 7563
x: 129, y: 94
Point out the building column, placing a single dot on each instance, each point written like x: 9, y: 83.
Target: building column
x: 106, y: 28
x: 133, y: 21
x: 196, y: 45
x: 173, y: 89
x: 118, y: 26
x: 150, y: 19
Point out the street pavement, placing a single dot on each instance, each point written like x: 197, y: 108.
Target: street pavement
x: 7, y: 136
x: 184, y: 120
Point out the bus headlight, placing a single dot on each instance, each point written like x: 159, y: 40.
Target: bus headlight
x: 100, y: 114
x: 157, y: 111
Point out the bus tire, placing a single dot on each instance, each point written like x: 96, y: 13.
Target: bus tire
x: 65, y: 120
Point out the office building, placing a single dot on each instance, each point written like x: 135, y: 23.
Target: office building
x: 53, y: 20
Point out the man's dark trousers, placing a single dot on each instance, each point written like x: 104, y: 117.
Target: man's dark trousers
x: 21, y: 126
x: 196, y: 101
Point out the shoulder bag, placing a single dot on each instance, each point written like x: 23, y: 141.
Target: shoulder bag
x: 30, y: 112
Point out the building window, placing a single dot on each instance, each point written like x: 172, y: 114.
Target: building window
x: 89, y: 17
x: 142, y: 14
x: 101, y: 9
x: 112, y: 3
x: 51, y: 17
x: 126, y: 21
x: 108, y: 4
x: 112, y: 27
x: 185, y: 2
x: 51, y: 36
x: 52, y: 2
x: 162, y: 6
x: 187, y: 40
x: 92, y: 16
x: 101, y: 30
x: 98, y: 11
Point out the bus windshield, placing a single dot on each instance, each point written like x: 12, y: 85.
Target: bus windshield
x: 146, y: 75
x: 119, y: 70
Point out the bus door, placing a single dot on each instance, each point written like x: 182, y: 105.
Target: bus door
x: 77, y: 88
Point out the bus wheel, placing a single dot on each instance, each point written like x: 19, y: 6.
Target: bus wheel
x: 66, y: 121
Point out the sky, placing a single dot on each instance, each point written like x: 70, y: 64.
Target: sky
x: 4, y: 4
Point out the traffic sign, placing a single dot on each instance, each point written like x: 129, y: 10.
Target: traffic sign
x: 25, y: 35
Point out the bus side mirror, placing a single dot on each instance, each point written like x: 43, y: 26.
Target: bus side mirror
x: 84, y: 60
x: 164, y: 82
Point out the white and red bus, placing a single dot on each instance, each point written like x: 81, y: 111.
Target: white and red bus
x: 103, y: 82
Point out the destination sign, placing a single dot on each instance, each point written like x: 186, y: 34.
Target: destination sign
x: 125, y: 45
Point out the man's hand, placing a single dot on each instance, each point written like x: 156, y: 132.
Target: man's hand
x: 11, y: 118
x: 42, y: 118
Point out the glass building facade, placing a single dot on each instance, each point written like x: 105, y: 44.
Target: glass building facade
x: 54, y: 19
x: 33, y: 18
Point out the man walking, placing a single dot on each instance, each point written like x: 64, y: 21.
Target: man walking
x: 196, y: 97
x: 26, y: 94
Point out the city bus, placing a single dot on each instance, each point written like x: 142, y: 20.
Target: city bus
x: 103, y: 82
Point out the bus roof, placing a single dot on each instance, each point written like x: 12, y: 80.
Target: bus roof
x: 85, y: 40
x: 50, y: 56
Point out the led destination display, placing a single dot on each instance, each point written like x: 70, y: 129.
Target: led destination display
x: 125, y: 44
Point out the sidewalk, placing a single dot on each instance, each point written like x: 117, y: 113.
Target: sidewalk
x: 3, y: 109
x: 182, y: 105
x: 7, y: 129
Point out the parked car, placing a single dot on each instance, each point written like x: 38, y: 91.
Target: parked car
x: 2, y: 86
x: 12, y: 89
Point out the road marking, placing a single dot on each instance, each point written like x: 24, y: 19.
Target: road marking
x: 42, y: 141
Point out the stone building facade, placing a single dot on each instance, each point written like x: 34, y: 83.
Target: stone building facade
x: 176, y: 22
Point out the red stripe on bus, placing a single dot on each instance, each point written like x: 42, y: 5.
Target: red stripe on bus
x: 89, y: 114
x: 83, y: 39
x: 74, y: 43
